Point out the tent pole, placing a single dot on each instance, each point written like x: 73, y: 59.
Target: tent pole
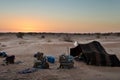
x: 68, y: 50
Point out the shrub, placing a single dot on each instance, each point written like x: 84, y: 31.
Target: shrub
x: 43, y: 36
x: 20, y: 35
x: 67, y: 39
x: 98, y: 35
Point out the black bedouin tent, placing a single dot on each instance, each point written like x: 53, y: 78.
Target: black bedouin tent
x: 93, y: 53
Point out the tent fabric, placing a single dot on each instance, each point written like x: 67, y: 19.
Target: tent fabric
x: 94, y: 54
x: 114, y: 60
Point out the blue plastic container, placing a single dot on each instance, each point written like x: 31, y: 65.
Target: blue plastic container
x: 51, y: 59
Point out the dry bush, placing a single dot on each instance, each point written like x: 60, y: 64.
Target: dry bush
x: 42, y: 36
x: 98, y: 35
x: 20, y: 35
x: 67, y: 39
x: 49, y: 40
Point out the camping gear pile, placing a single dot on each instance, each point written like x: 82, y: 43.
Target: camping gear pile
x: 66, y: 61
x: 10, y: 59
x: 41, y: 61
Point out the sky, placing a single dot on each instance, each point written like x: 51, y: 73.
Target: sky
x: 69, y: 16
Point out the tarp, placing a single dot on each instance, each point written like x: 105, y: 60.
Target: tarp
x: 3, y: 54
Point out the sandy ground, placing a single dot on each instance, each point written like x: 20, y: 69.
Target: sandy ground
x: 25, y: 48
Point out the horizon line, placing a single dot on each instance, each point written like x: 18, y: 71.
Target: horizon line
x: 63, y: 32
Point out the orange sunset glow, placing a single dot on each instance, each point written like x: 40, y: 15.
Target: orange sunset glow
x: 25, y: 24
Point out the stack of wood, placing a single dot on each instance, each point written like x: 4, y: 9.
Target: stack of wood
x: 66, y: 61
x: 40, y: 61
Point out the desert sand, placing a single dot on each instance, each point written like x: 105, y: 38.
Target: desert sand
x: 54, y: 45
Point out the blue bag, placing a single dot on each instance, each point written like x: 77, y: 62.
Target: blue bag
x: 51, y: 59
